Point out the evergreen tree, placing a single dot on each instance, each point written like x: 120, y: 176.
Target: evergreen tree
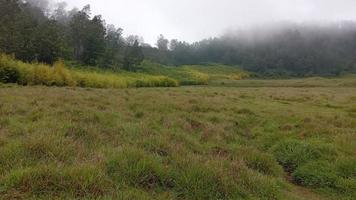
x: 133, y: 57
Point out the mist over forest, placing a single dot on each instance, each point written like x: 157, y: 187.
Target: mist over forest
x: 38, y: 30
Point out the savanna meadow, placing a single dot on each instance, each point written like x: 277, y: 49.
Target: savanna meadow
x: 87, y: 113
x: 229, y: 139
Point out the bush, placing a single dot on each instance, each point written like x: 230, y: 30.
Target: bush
x: 9, y: 74
x: 8, y: 71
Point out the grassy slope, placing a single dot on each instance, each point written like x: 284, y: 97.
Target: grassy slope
x: 195, y: 74
x: 178, y: 143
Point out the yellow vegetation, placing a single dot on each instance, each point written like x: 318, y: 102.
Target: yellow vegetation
x: 14, y: 71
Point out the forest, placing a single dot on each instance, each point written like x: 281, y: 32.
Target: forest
x: 34, y: 31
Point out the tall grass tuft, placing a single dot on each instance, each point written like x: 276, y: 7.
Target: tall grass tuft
x: 14, y: 71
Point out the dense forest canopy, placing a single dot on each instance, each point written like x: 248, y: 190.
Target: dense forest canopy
x: 36, y: 30
x: 286, y: 49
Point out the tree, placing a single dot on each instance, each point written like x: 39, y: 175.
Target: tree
x: 88, y: 37
x: 50, y: 42
x: 21, y: 23
x: 114, y: 44
x: 60, y: 13
x: 94, y: 44
x: 11, y: 21
x: 131, y: 39
x: 133, y: 57
x: 162, y: 43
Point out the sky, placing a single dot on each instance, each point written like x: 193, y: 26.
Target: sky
x: 193, y: 20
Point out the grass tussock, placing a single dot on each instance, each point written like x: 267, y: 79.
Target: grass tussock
x: 79, y: 181
x: 138, y: 169
x: 293, y: 153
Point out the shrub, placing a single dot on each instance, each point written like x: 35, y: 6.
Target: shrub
x: 9, y: 74
x: 8, y: 71
x: 62, y: 76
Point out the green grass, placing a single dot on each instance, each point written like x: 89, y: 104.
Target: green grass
x: 343, y: 81
x: 14, y: 71
x: 195, y: 74
x: 149, y: 75
x: 192, y: 142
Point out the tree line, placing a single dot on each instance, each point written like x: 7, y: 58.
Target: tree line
x: 285, y: 49
x: 34, y: 31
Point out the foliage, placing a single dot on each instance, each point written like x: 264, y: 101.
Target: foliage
x: 133, y: 57
x: 31, y: 33
x: 88, y: 36
x: 13, y: 71
x: 195, y: 74
x: 278, y: 50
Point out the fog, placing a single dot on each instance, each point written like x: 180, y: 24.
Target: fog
x: 193, y: 20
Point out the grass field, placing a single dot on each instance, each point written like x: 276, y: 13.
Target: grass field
x: 226, y: 141
x: 342, y: 81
